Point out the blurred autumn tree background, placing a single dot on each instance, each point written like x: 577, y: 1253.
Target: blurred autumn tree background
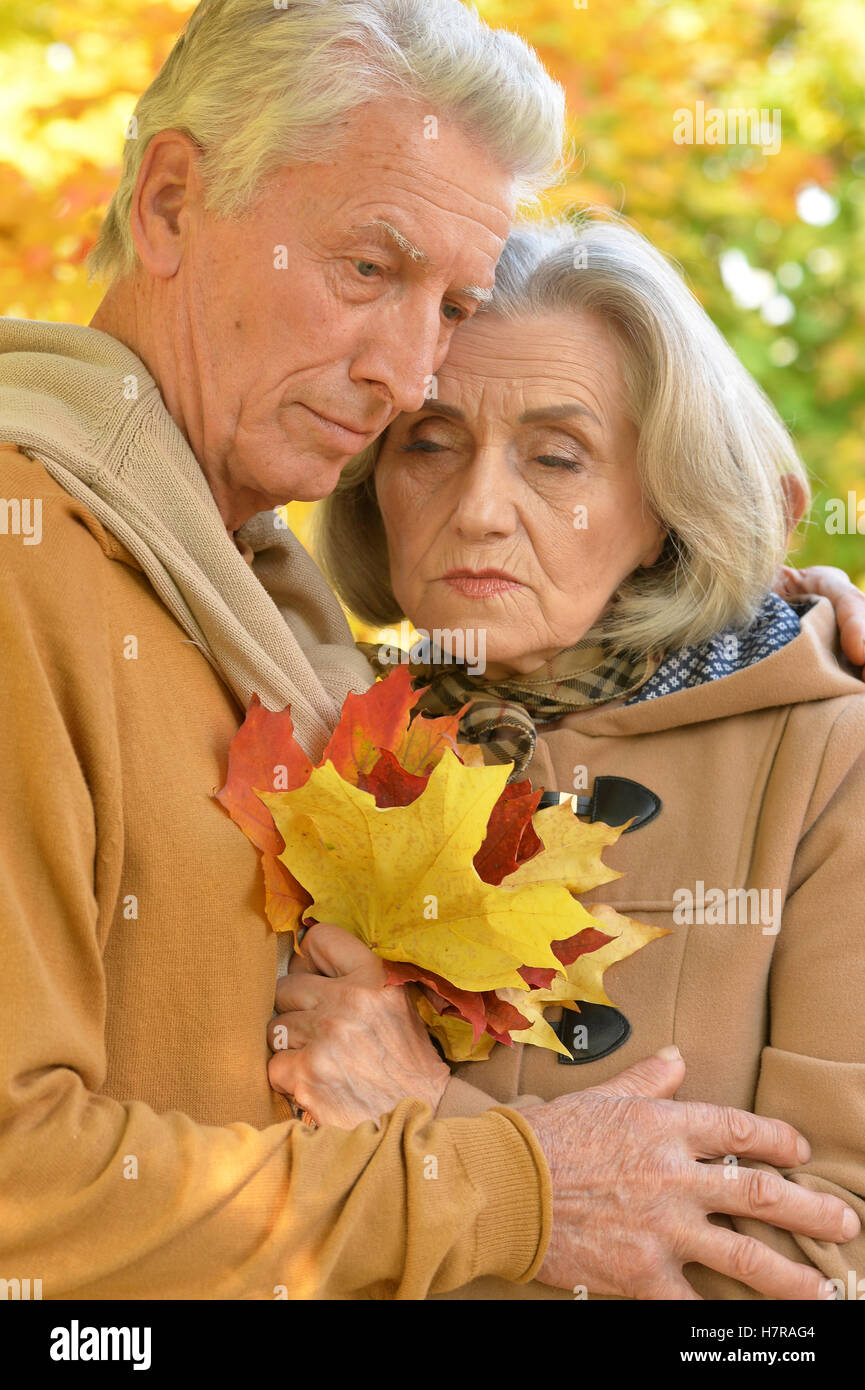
x: 773, y: 244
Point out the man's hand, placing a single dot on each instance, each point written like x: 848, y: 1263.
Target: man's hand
x: 347, y: 1046
x: 630, y: 1199
x: 846, y: 599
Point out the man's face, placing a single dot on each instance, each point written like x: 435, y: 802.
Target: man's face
x: 310, y: 309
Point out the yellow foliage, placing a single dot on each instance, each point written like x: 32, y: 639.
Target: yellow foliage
x: 402, y: 879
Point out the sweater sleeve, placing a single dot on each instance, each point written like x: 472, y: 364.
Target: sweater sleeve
x: 103, y: 1198
x: 462, y: 1098
x: 812, y: 1073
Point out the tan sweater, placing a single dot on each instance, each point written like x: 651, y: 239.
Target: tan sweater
x: 142, y: 1152
x: 762, y: 779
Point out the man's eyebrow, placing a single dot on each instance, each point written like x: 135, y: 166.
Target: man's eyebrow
x: 557, y: 412
x: 379, y: 225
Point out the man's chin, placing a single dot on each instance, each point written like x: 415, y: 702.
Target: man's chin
x: 310, y: 475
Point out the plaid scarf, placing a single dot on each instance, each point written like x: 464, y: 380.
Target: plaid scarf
x: 503, y: 714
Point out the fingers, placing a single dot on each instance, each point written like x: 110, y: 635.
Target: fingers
x: 757, y: 1265
x: 849, y: 609
x: 714, y: 1130
x: 300, y: 964
x: 656, y: 1077
x: 284, y: 1076
x: 334, y: 951
x: 301, y: 991
x: 848, y: 602
x: 769, y: 1197
x: 290, y: 1032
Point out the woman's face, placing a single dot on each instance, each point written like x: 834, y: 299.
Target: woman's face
x: 512, y: 503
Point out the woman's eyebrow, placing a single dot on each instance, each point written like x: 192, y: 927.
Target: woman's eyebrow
x: 557, y: 412
x: 439, y: 408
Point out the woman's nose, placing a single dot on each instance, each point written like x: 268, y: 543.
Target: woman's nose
x: 485, y: 505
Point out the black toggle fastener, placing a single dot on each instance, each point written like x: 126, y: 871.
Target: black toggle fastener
x: 614, y: 800
x: 593, y: 1033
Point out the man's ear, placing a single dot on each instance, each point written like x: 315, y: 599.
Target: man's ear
x: 795, y: 502
x: 167, y: 190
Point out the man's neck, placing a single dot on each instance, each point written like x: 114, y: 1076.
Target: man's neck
x: 127, y: 313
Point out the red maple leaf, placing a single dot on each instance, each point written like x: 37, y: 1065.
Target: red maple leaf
x: 511, y: 838
x: 264, y: 755
x: 389, y: 782
x: 369, y: 722
x: 484, y: 1010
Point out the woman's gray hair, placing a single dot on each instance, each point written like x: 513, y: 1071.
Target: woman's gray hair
x: 259, y: 84
x: 712, y: 449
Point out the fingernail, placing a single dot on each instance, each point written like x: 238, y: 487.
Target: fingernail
x: 849, y: 1223
x: 669, y: 1054
x: 803, y: 1149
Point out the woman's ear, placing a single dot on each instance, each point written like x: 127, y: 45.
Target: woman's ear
x: 795, y: 501
x: 655, y: 551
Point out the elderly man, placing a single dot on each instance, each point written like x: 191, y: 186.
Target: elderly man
x: 315, y: 196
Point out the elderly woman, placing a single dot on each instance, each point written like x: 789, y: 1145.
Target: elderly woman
x: 600, y: 493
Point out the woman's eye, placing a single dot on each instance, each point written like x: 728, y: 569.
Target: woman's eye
x: 555, y: 461
x: 423, y: 446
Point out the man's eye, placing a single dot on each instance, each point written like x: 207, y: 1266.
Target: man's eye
x: 453, y: 313
x: 366, y: 268
x: 423, y: 446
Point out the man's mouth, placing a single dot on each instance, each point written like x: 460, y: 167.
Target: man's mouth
x: 348, y: 435
x: 483, y: 583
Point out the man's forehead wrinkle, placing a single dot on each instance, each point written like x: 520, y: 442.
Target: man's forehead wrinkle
x: 419, y: 186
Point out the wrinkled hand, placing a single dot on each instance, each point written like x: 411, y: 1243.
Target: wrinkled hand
x: 846, y: 599
x: 347, y: 1046
x: 630, y: 1200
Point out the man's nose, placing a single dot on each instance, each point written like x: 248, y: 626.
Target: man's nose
x: 402, y: 354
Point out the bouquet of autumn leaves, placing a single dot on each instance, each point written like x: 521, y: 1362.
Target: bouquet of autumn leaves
x: 449, y: 873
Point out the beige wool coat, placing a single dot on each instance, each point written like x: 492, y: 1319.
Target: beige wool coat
x: 762, y: 779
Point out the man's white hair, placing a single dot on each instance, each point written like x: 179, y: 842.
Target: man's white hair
x: 259, y: 84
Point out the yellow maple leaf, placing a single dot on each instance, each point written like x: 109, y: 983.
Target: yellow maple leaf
x: 454, y: 1034
x: 531, y: 1006
x: 571, y: 854
x: 583, y: 978
x: 402, y: 879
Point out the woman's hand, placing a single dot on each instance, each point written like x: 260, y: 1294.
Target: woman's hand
x: 846, y: 599
x: 631, y: 1202
x: 347, y: 1046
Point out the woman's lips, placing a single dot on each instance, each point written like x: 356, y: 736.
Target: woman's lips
x: 481, y: 583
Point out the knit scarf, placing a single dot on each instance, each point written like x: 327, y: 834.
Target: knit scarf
x: 503, y: 714
x: 84, y: 406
